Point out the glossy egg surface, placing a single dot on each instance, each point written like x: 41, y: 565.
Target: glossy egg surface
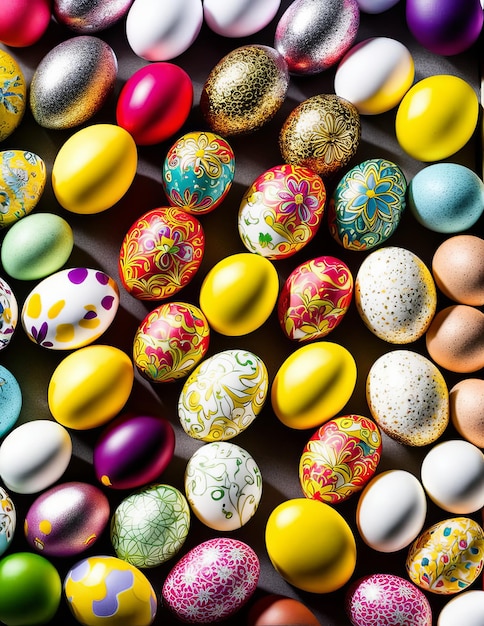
x: 239, y: 18
x: 24, y: 22
x: 14, y: 95
x: 22, y: 182
x: 90, y: 16
x: 10, y: 400
x: 8, y: 313
x: 8, y: 515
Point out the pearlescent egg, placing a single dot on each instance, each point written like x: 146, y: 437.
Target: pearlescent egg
x: 239, y: 18
x: 8, y: 515
x: 90, y: 16
x: 8, y: 313
x: 376, y: 6
x: 467, y: 607
x: 22, y: 182
x: 10, y: 400
x: 14, y: 94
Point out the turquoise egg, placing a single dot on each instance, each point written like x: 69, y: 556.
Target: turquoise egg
x: 367, y: 204
x: 10, y: 400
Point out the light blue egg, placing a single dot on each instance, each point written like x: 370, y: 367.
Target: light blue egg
x: 10, y: 400
x: 8, y: 520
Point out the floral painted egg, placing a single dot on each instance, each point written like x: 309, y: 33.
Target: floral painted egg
x: 198, y: 171
x: 10, y: 400
x: 367, y: 204
x: 223, y: 395
x: 104, y: 589
x: 13, y: 92
x: 170, y: 341
x: 223, y: 485
x: 223, y: 571
x: 314, y: 298
x: 340, y: 458
x: 8, y: 520
x: 161, y: 253
x: 8, y: 313
x: 447, y: 557
x: 70, y: 308
x: 150, y: 525
x: 281, y: 211
x: 22, y: 182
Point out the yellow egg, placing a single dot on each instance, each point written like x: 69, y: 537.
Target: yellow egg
x: 239, y: 293
x: 436, y: 117
x: 94, y: 168
x: 13, y: 91
x: 310, y: 545
x: 313, y: 384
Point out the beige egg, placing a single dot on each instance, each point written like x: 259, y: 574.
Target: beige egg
x: 467, y: 409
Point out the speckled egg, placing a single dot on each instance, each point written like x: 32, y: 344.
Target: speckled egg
x: 22, y: 182
x: 14, y: 93
x: 150, y: 525
x: 170, y: 341
x: 395, y: 295
x: 281, y: 211
x: 10, y: 400
x: 223, y: 395
x: 161, y: 253
x: 90, y: 16
x: 198, y: 171
x: 70, y: 308
x: 224, y: 571
x: 8, y: 313
x: 367, y: 204
x: 315, y: 298
x: 408, y: 397
x: 8, y: 515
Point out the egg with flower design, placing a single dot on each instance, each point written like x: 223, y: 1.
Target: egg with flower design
x: 13, y: 92
x: 8, y: 313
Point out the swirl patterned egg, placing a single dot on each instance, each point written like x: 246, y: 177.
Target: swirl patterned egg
x: 14, y: 92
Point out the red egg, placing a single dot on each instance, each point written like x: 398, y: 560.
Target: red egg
x: 155, y: 102
x: 277, y: 610
x: 23, y: 22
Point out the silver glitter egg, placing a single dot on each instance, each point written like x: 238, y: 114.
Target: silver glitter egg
x: 72, y: 82
x: 90, y: 16
x: 313, y: 35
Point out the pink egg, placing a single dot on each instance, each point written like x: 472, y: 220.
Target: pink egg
x: 24, y: 22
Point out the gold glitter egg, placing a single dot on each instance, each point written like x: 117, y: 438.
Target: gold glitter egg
x: 244, y: 90
x: 73, y: 82
x: 12, y: 94
x: 322, y: 133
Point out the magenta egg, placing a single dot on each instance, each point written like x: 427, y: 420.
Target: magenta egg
x: 133, y: 450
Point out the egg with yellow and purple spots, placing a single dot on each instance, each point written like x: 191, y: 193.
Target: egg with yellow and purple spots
x: 8, y: 313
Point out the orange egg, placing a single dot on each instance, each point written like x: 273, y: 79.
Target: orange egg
x: 277, y: 610
x: 467, y: 409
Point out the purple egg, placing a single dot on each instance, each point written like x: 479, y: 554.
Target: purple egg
x: 133, y: 451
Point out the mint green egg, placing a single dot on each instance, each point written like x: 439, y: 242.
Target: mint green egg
x: 36, y: 246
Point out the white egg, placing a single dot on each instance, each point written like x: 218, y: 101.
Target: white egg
x: 452, y: 474
x: 158, y: 33
x: 376, y: 6
x: 391, y: 510
x: 466, y: 608
x: 239, y: 18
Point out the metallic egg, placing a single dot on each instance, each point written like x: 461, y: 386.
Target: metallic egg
x: 90, y: 16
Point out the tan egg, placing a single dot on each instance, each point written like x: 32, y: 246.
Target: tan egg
x: 467, y: 409
x: 455, y: 338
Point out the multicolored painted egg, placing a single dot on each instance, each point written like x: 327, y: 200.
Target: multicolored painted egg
x: 70, y: 308
x: 149, y: 527
x: 13, y: 91
x: 66, y: 519
x: 322, y: 133
x: 101, y: 589
x: 22, y: 182
x: 377, y: 599
x: 447, y: 557
x: 223, y: 395
x: 133, y: 450
x: 10, y: 400
x: 340, y: 458
x: 8, y: 520
x: 170, y: 341
x: 240, y: 18
x: 24, y: 22
x: 315, y: 298
x: 281, y: 211
x: 224, y: 571
x: 223, y: 485
x: 367, y: 204
x: 8, y: 313
x: 198, y: 171
x: 161, y: 253
x: 90, y: 16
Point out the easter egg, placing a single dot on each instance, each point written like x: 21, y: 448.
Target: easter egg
x: 34, y: 455
x: 224, y: 595
x: 223, y: 485
x: 94, y: 168
x: 223, y: 395
x: 313, y: 384
x: 8, y: 313
x: 70, y: 308
x: 66, y: 519
x: 321, y: 133
x: 466, y: 405
x: 312, y: 36
x: 436, y: 117
x: 244, y: 90
x: 198, y: 171
x: 447, y: 557
x: 150, y: 525
x: 10, y: 400
x: 22, y: 182
x: 467, y: 607
x: 89, y: 16
x: 315, y: 298
x: 161, y: 253
x: 90, y: 386
x: 340, y: 458
x: 24, y: 22
x: 367, y: 204
x: 155, y: 102
x: 86, y: 69
x: 376, y: 6
x: 31, y: 589
x: 395, y: 295
x: 408, y: 397
x: 277, y: 610
x: 240, y: 18
x: 170, y: 341
x: 310, y: 545
x: 239, y: 293
x: 8, y: 515
x: 281, y: 211
x: 133, y: 450
x: 14, y: 93
x: 104, y: 589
